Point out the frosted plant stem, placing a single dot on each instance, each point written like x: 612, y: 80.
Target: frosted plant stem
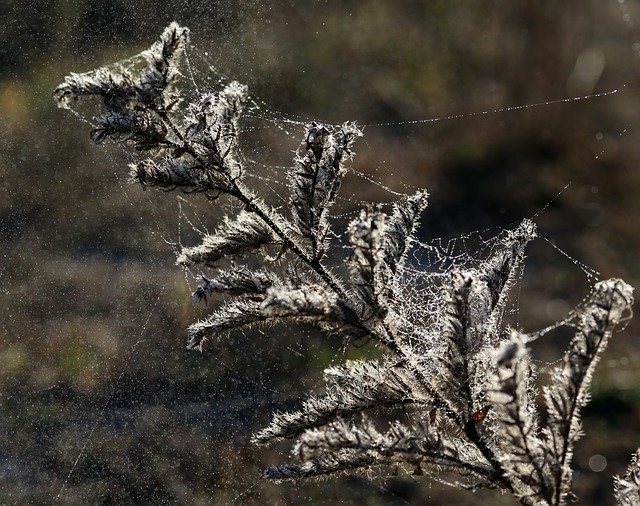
x: 447, y: 353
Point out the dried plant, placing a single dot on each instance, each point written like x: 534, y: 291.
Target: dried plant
x: 627, y: 488
x: 463, y: 382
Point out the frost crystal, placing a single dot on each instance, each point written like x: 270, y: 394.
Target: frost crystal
x: 462, y: 381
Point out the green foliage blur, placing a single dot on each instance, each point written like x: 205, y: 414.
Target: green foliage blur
x: 101, y: 403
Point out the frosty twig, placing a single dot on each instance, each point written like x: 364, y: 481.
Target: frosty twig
x: 464, y: 383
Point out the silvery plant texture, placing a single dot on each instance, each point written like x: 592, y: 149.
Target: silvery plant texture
x: 462, y: 381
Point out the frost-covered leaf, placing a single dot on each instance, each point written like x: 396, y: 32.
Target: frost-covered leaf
x: 310, y: 303
x: 380, y: 244
x: 516, y: 425
x: 241, y: 234
x: 307, y: 300
x: 367, y: 236
x: 462, y: 326
x: 501, y: 269
x: 117, y: 83
x: 352, y: 388
x: 135, y: 102
x: 232, y: 316
x: 350, y: 446
x: 627, y: 488
x: 176, y: 173
x: 569, y: 389
x: 211, y: 125
x: 237, y: 281
x: 401, y: 229
x: 471, y: 315
x: 315, y: 179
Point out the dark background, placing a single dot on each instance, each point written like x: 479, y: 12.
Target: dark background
x: 100, y: 402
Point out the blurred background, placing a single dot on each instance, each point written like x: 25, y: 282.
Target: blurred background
x: 100, y: 402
